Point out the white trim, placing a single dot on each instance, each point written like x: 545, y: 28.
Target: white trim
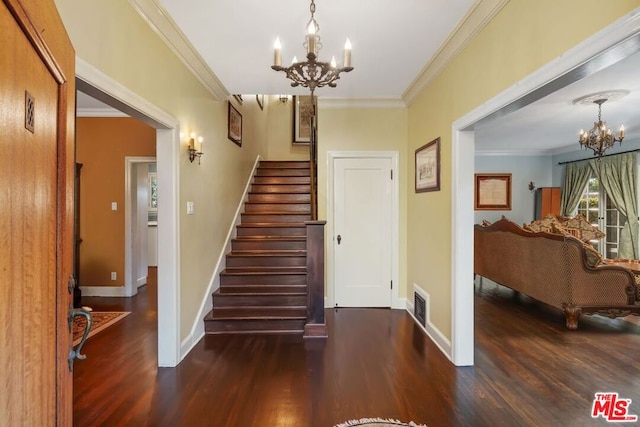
x: 141, y: 281
x: 99, y: 112
x: 197, y: 329
x: 396, y: 301
x: 103, y: 291
x: 462, y: 169
x: 438, y: 338
x: 129, y: 161
x: 161, y: 22
x: 104, y: 88
x: 478, y: 16
x: 330, y: 103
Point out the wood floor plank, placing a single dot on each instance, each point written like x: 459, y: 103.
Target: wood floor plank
x: 529, y: 371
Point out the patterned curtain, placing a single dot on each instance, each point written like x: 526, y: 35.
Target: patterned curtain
x: 576, y: 176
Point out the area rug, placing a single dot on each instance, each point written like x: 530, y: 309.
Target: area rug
x: 377, y: 422
x: 101, y: 320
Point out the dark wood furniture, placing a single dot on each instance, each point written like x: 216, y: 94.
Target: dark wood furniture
x: 547, y: 201
x: 629, y: 264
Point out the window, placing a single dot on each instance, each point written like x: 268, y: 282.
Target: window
x: 600, y: 211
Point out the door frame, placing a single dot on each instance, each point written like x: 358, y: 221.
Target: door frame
x: 102, y: 87
x: 615, y: 42
x: 332, y: 156
x: 130, y: 282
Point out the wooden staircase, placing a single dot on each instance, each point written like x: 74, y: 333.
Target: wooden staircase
x: 264, y: 288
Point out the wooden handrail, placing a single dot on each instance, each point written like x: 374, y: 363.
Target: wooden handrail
x: 313, y: 161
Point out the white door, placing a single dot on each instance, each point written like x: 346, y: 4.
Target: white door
x: 363, y: 197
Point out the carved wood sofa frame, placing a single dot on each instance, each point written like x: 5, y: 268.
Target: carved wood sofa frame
x: 552, y: 269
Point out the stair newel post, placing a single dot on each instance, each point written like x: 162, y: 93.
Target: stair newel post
x: 313, y: 158
x: 315, y: 326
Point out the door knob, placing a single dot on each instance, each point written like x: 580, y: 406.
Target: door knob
x: 75, y: 353
x: 339, y: 238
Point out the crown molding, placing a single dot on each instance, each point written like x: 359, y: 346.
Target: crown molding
x: 330, y: 103
x: 480, y: 14
x: 99, y: 112
x: 512, y: 153
x: 159, y: 20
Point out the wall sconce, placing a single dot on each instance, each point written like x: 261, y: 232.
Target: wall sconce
x: 193, y: 151
x: 532, y: 186
x: 283, y: 98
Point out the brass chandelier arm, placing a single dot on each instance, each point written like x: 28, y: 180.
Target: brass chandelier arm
x: 312, y: 74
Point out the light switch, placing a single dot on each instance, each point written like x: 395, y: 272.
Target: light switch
x: 190, y: 208
x: 114, y: 206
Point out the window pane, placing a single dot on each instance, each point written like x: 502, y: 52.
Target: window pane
x: 592, y: 217
x: 612, y: 251
x: 612, y: 217
x: 612, y: 234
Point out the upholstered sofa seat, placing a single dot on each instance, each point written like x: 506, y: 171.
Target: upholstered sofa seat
x: 554, y: 269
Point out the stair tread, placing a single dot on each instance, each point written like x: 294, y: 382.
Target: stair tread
x: 267, y: 253
x: 277, y: 213
x: 257, y: 313
x: 258, y: 238
x: 271, y: 224
x: 252, y: 271
x: 253, y: 293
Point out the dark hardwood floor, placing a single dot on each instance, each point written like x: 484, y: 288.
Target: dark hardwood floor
x: 530, y: 371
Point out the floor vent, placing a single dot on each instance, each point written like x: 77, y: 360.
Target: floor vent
x: 419, y: 308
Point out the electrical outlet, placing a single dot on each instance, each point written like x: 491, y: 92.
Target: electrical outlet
x: 190, y: 208
x: 114, y: 275
x: 114, y: 206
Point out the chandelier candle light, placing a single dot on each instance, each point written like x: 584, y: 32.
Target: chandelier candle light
x: 312, y: 73
x: 599, y: 138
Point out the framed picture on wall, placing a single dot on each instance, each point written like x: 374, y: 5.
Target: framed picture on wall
x: 492, y: 192
x: 234, y: 130
x: 428, y: 167
x: 302, y: 113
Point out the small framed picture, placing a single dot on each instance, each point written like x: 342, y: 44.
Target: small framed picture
x: 302, y: 113
x: 492, y: 192
x: 234, y: 126
x: 428, y: 167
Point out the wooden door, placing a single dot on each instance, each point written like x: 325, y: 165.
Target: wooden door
x: 35, y: 209
x: 363, y: 229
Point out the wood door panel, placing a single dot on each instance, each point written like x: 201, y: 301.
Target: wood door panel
x: 34, y: 210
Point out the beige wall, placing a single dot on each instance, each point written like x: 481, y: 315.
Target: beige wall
x: 280, y: 132
x: 112, y: 37
x: 523, y: 37
x: 365, y: 129
x: 101, y: 146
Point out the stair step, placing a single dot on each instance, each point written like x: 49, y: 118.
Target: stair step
x: 258, y: 299
x: 282, y: 179
x: 292, y: 276
x: 263, y: 289
x: 282, y: 172
x: 282, y: 207
x: 254, y: 327
x: 254, y: 313
x: 289, y: 164
x: 280, y: 188
x: 262, y: 229
x: 277, y: 217
x: 236, y: 260
x: 276, y: 243
x: 280, y: 197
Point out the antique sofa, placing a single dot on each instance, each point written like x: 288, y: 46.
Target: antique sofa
x: 553, y: 268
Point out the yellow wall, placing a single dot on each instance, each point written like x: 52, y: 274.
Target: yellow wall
x: 280, y: 132
x: 112, y: 37
x: 101, y: 146
x: 523, y: 37
x: 365, y: 129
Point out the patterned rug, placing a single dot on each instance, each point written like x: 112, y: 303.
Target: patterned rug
x: 377, y: 422
x: 101, y: 321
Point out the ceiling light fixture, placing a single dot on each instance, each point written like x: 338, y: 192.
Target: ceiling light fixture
x: 600, y: 138
x: 312, y: 73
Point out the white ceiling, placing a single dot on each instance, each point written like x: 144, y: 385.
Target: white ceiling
x: 392, y: 43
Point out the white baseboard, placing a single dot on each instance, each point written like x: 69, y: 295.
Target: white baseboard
x: 438, y: 338
x: 103, y: 291
x: 400, y: 304
x: 141, y: 281
x: 197, y: 330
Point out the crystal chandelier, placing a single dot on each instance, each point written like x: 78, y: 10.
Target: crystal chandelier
x: 599, y: 138
x: 312, y: 73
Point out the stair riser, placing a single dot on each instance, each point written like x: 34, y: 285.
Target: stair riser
x: 267, y: 245
x: 258, y: 280
x: 258, y: 326
x: 281, y: 218
x: 282, y: 172
x: 222, y: 300
x: 271, y: 231
x: 280, y: 188
x: 235, y: 289
x: 279, y: 197
x: 282, y: 180
x: 270, y: 164
x: 262, y: 261
x: 304, y: 208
